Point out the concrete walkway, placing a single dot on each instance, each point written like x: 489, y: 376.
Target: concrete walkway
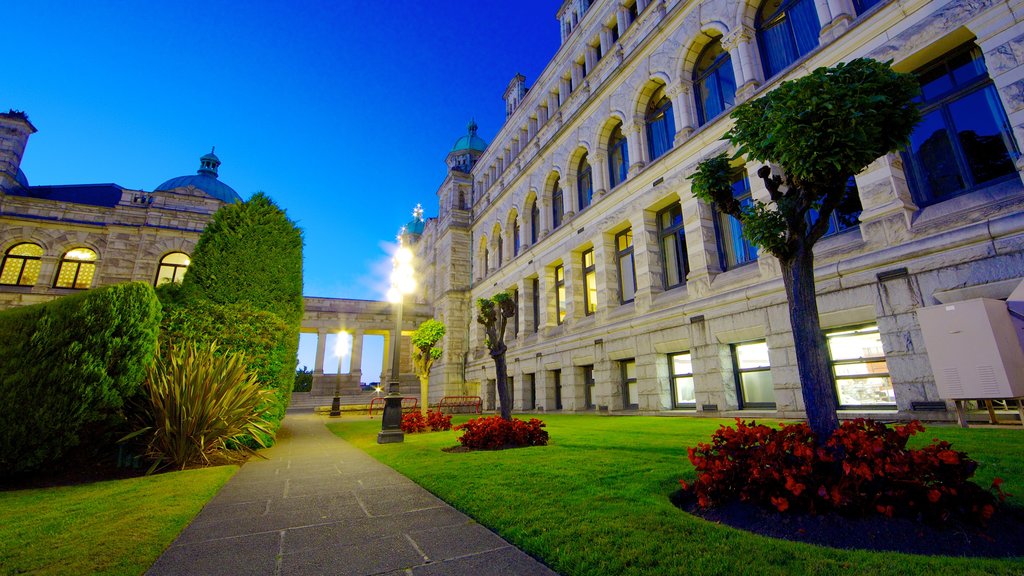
x: 319, y: 505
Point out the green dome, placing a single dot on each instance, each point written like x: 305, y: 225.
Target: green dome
x: 470, y: 141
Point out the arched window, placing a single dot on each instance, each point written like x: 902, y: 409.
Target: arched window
x: 557, y: 205
x: 618, y: 157
x: 21, y: 265
x: 172, y: 268
x: 786, y: 30
x: 661, y: 128
x: 501, y: 250
x: 515, y: 237
x: 77, y: 268
x: 584, y: 183
x: 534, y: 223
x: 715, y: 82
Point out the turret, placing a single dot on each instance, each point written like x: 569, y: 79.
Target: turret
x: 14, y: 132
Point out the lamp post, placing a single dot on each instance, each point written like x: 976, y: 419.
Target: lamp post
x: 402, y: 283
x: 341, y: 348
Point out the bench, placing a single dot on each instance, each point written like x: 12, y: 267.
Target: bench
x: 460, y: 404
x: 409, y: 404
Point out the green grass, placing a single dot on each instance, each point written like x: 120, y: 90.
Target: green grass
x: 595, y: 501
x: 111, y: 527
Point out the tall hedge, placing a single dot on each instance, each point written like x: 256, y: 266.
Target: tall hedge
x: 67, y: 367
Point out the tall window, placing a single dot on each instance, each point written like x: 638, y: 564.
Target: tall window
x: 535, y: 289
x: 515, y: 237
x: 556, y: 379
x: 501, y: 249
x: 673, y: 245
x: 515, y: 318
x: 714, y: 81
x: 963, y: 141
x: 733, y: 249
x: 589, y: 283
x: 534, y: 222
x: 682, y: 380
x: 858, y: 364
x: 630, y: 389
x: 846, y: 216
x: 557, y: 206
x: 627, y: 273
x: 77, y: 268
x: 753, y: 375
x: 172, y: 268
x: 560, y: 293
x: 584, y: 183
x: 786, y: 30
x: 661, y: 129
x: 618, y: 157
x: 21, y: 265
x: 589, y: 388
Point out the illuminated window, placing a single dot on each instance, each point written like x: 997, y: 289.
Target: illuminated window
x: 682, y: 380
x: 627, y: 272
x: 733, y: 249
x: 560, y: 293
x: 21, y: 265
x: 858, y: 364
x: 77, y: 268
x: 673, y: 245
x: 618, y: 157
x: 786, y: 30
x: 589, y: 283
x: 661, y: 129
x: 753, y: 375
x: 630, y: 389
x: 172, y: 268
x: 714, y: 81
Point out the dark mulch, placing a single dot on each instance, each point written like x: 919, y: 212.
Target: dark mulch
x: 1002, y: 537
x: 72, y: 473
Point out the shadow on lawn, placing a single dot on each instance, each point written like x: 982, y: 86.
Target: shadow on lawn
x: 1003, y: 537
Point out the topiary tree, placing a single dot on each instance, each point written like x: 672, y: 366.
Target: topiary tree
x: 819, y: 130
x: 424, y: 351
x: 494, y: 313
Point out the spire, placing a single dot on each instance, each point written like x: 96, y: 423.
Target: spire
x: 417, y: 213
x: 472, y: 127
x: 208, y: 164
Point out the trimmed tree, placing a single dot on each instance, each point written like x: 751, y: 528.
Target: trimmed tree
x: 424, y: 351
x: 494, y: 313
x: 819, y: 130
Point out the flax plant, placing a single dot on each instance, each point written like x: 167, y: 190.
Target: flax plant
x: 199, y: 404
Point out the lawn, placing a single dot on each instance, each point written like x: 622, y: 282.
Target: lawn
x: 595, y: 501
x: 110, y: 527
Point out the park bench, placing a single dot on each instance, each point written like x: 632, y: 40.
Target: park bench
x: 409, y: 404
x: 460, y: 404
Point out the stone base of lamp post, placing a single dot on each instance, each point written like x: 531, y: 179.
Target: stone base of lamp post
x: 336, y: 406
x: 391, y: 425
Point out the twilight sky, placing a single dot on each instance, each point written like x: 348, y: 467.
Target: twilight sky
x: 341, y: 111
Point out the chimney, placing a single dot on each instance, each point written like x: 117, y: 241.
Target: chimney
x: 15, y: 129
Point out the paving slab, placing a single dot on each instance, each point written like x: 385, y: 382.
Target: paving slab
x: 318, y: 505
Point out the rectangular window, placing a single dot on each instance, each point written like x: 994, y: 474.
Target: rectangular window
x: 531, y: 380
x: 560, y: 293
x: 673, y: 245
x: 753, y: 375
x: 858, y: 364
x: 535, y: 289
x: 589, y: 283
x: 733, y: 249
x: 556, y: 378
x: 630, y: 389
x: 682, y: 380
x: 515, y: 319
x: 627, y: 272
x: 589, y: 387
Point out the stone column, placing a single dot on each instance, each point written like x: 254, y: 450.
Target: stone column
x: 701, y: 247
x: 321, y: 349
x: 641, y: 5
x: 782, y: 357
x: 573, y: 393
x: 746, y: 60
x: 682, y: 110
x: 652, y: 381
x: 607, y: 275
x: 622, y: 18
x: 646, y: 259
x: 599, y: 172
x: 636, y: 144
x: 606, y: 40
x: 355, y: 366
x: 888, y: 208
x: 545, y: 382
x: 565, y: 86
x: 834, y: 16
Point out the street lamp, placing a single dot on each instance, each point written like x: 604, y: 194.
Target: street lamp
x: 402, y: 283
x: 341, y: 348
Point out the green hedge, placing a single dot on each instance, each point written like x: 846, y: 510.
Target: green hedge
x: 68, y: 367
x: 265, y: 339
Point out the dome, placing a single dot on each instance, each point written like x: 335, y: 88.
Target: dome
x: 205, y: 179
x: 414, y: 228
x: 470, y: 141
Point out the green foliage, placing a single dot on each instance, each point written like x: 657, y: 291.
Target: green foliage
x: 262, y: 337
x: 494, y: 313
x: 303, y: 380
x: 424, y: 345
x: 68, y: 367
x: 250, y: 252
x: 197, y: 402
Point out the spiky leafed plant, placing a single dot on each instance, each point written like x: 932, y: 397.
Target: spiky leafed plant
x: 199, y: 402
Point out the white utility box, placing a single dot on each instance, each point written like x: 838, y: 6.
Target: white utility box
x: 975, y: 349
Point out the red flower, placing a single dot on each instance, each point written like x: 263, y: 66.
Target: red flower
x: 781, y: 504
x: 934, y: 495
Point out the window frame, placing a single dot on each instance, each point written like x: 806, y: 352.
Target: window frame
x: 626, y: 381
x: 830, y: 333
x: 782, y: 17
x: 79, y: 264
x: 658, y: 118
x: 713, y: 72
x: 674, y: 377
x: 23, y: 263
x: 559, y: 274
x: 724, y: 222
x: 557, y: 206
x: 677, y: 231
x: 589, y: 276
x: 535, y: 286
x: 618, y: 147
x: 175, y: 269
x: 738, y: 374
x: 534, y: 222
x: 584, y: 175
x: 620, y: 254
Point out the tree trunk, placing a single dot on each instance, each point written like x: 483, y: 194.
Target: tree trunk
x: 502, y: 380
x: 424, y: 396
x: 816, y: 379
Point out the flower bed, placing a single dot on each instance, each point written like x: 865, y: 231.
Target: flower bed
x: 413, y: 422
x: 495, y: 433
x: 864, y: 468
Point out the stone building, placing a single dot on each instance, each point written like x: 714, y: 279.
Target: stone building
x: 634, y: 296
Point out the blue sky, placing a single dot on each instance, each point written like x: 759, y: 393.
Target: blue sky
x: 342, y: 112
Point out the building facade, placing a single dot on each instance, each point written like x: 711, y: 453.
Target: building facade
x: 633, y: 296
